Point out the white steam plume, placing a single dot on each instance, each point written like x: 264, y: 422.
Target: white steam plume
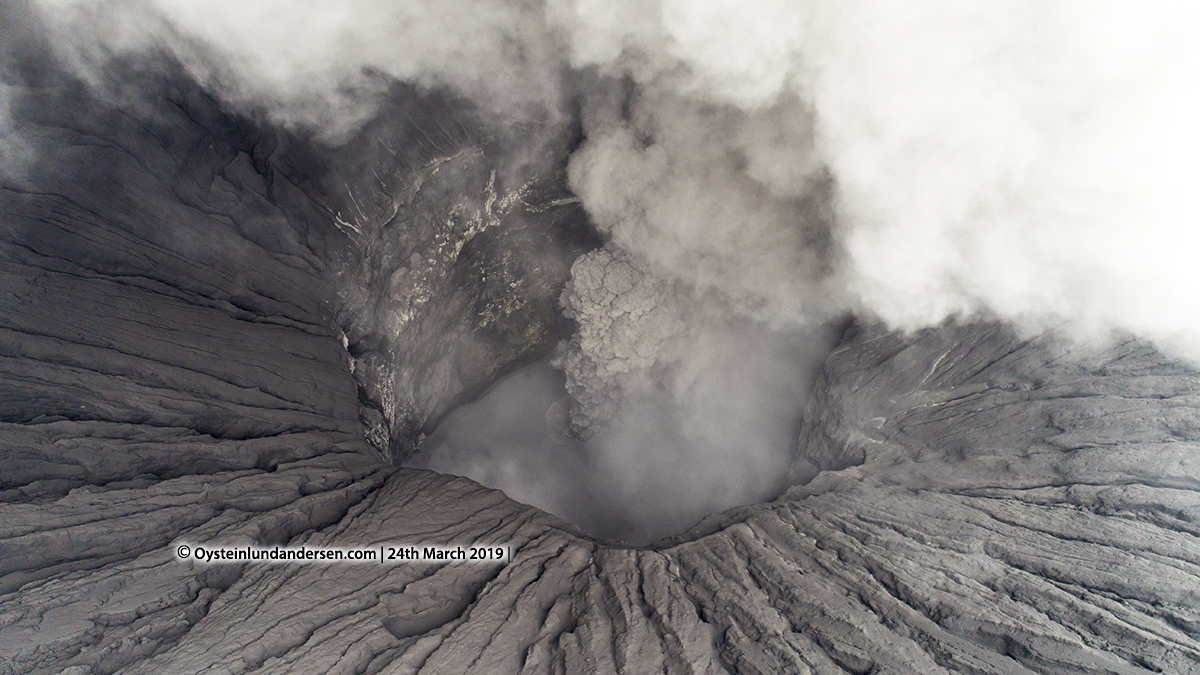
x: 1031, y: 160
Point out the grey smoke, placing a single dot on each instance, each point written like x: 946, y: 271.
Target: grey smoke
x: 760, y: 170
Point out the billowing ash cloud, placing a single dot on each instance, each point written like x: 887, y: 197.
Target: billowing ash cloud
x: 760, y: 169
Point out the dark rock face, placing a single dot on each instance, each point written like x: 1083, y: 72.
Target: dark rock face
x: 452, y: 268
x: 170, y: 343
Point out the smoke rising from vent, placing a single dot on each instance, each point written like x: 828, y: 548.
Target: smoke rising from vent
x: 761, y: 170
